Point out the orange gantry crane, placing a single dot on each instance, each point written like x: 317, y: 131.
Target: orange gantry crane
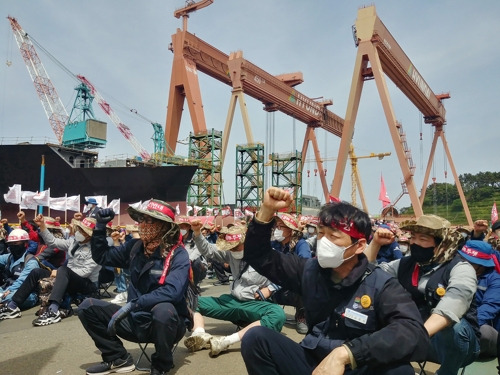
x: 277, y: 93
x: 378, y: 53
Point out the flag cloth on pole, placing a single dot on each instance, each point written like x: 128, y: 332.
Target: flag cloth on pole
x: 197, y: 209
x: 115, y: 206
x: 13, y: 195
x: 58, y: 204
x: 383, y: 197
x: 177, y: 209
x: 238, y: 214
x: 42, y: 198
x: 27, y: 201
x: 73, y: 203
x: 494, y: 213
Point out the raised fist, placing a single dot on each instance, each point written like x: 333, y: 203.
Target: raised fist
x: 104, y: 215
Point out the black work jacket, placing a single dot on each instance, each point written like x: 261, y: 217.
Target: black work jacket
x: 369, y: 311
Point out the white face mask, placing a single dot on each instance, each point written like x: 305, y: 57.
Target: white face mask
x: 183, y: 232
x: 311, y: 230
x: 237, y: 254
x: 403, y: 248
x: 79, y: 237
x: 278, y: 235
x: 331, y: 255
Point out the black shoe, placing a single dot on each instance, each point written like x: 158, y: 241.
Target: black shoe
x: 118, y: 365
x: 157, y: 372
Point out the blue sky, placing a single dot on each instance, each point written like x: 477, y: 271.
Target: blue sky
x: 122, y: 47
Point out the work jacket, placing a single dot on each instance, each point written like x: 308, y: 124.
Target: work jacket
x: 368, y: 311
x: 145, y: 288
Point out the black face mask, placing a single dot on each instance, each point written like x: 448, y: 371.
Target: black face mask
x: 17, y: 251
x: 421, y: 254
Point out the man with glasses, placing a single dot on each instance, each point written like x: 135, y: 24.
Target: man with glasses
x: 156, y: 310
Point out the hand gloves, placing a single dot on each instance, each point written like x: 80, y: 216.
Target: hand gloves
x: 103, y: 216
x: 118, y: 317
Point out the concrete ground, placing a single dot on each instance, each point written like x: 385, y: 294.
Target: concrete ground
x: 65, y: 348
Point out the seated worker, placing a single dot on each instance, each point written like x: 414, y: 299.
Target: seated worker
x: 248, y: 302
x: 442, y: 284
x: 16, y: 266
x: 287, y: 239
x: 78, y: 276
x: 198, y: 263
x: 484, y: 261
x: 156, y: 310
x: 361, y: 321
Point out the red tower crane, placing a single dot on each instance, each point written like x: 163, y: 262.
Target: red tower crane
x: 52, y: 104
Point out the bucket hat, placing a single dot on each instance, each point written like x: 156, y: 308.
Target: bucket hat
x: 427, y: 224
x: 155, y: 208
x: 232, y: 238
x: 478, y: 252
x: 91, y: 201
x: 50, y: 223
x: 87, y: 225
x: 289, y: 221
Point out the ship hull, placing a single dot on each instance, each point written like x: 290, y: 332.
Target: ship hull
x: 21, y: 164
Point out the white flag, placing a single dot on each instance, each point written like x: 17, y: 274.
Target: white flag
x: 58, y: 204
x: 209, y: 211
x: 188, y: 209
x: 115, y: 205
x: 42, y: 198
x: 73, y: 203
x: 13, y: 195
x: 27, y: 201
x: 177, y: 209
x: 248, y: 213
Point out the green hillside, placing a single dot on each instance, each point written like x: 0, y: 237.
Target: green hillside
x: 480, y: 190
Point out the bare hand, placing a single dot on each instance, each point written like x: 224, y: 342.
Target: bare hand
x: 334, y: 363
x: 383, y: 237
x: 39, y: 220
x: 275, y: 199
x: 4, y: 221
x: 53, y: 273
x: 196, y: 226
x: 21, y: 216
x: 265, y: 292
x: 481, y: 226
x: 78, y: 216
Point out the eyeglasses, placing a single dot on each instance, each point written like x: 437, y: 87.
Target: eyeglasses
x: 145, y: 219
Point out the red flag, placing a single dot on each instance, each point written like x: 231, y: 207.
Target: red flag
x: 333, y: 199
x: 494, y: 213
x: 383, y: 197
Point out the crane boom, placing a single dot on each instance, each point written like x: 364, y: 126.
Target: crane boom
x: 51, y: 103
x: 122, y: 128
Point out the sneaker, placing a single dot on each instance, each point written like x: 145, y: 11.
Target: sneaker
x: 120, y: 298
x: 223, y: 282
x: 301, y: 326
x: 48, y: 317
x: 218, y: 344
x: 119, y: 365
x: 198, y: 341
x: 8, y: 313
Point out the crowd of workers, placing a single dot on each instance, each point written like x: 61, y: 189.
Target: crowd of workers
x: 369, y: 297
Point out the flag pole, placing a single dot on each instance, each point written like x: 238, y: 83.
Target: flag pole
x: 42, y: 182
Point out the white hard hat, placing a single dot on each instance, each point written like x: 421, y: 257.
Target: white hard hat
x: 18, y: 235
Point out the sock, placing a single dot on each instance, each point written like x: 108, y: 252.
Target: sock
x: 199, y: 330
x: 12, y: 305
x: 54, y: 307
x: 233, y: 339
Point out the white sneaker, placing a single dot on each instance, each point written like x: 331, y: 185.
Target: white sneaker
x: 218, y: 344
x: 120, y: 298
x: 198, y: 341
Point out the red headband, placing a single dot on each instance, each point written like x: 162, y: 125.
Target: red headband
x: 479, y: 255
x: 348, y: 228
x: 290, y: 221
x: 55, y: 223
x: 154, y: 206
